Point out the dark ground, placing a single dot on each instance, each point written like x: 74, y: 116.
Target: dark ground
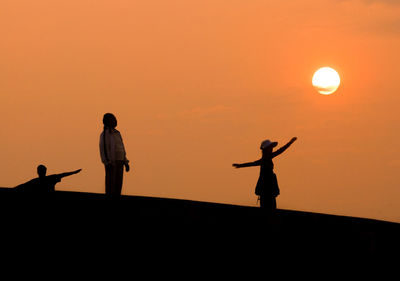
x: 158, y: 230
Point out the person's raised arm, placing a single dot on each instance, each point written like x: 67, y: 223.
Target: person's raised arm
x: 69, y: 173
x: 283, y: 148
x: 249, y: 164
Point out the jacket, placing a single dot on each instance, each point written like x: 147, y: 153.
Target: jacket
x: 112, y: 147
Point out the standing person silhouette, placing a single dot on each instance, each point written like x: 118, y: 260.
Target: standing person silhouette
x: 113, y: 155
x: 267, y: 185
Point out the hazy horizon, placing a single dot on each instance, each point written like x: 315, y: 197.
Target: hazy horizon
x: 196, y: 86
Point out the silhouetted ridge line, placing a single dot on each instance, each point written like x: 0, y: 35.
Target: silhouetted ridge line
x: 154, y: 220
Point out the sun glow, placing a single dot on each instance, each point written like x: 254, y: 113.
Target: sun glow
x: 326, y: 80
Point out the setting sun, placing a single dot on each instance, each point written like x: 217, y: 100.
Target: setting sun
x: 326, y: 80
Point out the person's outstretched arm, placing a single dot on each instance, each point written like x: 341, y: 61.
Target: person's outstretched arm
x: 283, y: 148
x: 249, y: 164
x: 69, y: 173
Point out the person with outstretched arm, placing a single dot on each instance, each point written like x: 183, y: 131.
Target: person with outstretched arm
x: 44, y: 183
x: 267, y: 185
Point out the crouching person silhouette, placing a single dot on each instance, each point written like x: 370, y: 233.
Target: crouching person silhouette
x: 267, y: 185
x: 113, y: 155
x: 43, y: 183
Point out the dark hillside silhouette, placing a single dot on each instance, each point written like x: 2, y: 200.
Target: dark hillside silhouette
x: 150, y: 221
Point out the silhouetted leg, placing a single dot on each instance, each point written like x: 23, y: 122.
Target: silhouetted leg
x: 273, y: 204
x: 268, y: 203
x: 109, y: 178
x: 119, y: 175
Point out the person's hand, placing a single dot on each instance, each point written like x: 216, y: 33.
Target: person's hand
x: 236, y: 165
x: 127, y: 168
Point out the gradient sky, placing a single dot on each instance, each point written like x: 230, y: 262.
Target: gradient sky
x: 196, y: 86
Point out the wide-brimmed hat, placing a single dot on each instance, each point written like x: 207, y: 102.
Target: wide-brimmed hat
x: 268, y: 143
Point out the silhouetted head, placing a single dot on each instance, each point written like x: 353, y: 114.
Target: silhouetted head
x: 41, y: 170
x: 267, y: 146
x: 109, y: 120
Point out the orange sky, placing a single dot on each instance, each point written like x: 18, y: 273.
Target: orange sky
x: 196, y: 86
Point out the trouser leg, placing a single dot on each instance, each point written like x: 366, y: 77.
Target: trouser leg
x: 119, y: 176
x: 268, y: 203
x: 109, y: 169
x: 114, y: 178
